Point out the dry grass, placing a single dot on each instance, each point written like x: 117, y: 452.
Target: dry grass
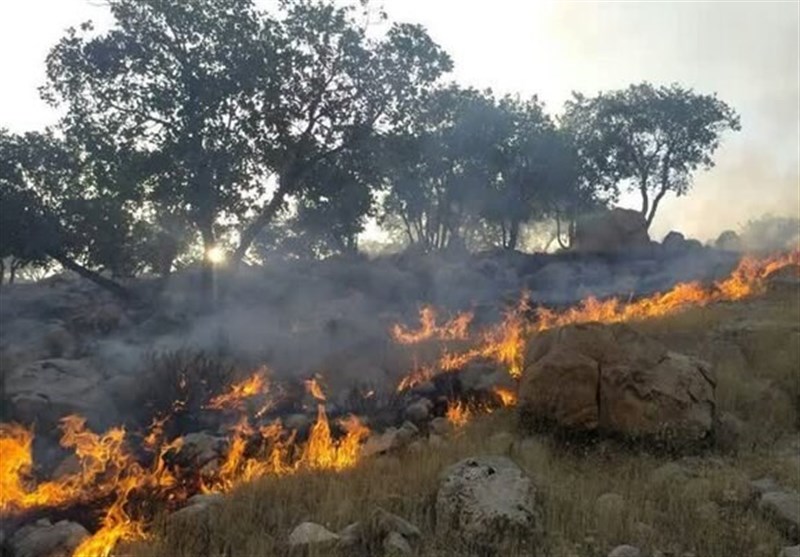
x: 758, y: 380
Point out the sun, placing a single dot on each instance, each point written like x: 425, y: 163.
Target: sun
x: 216, y: 255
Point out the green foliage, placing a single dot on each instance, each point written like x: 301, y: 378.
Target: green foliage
x: 647, y: 139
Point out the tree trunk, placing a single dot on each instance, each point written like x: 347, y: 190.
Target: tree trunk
x: 2, y: 271
x: 207, y: 271
x: 115, y: 288
x: 513, y: 234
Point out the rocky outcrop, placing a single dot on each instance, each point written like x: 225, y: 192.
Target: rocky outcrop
x: 616, y: 230
x: 43, y: 539
x: 311, y: 534
x: 45, y: 391
x: 488, y: 503
x: 609, y: 378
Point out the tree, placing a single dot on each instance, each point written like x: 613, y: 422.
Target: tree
x: 440, y: 166
x: 233, y: 106
x: 52, y: 206
x: 648, y: 139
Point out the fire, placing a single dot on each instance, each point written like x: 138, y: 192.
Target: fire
x: 458, y: 413
x: 454, y: 329
x: 505, y: 342
x: 507, y: 396
x: 256, y: 384
x: 323, y: 453
x: 314, y: 389
x: 420, y: 375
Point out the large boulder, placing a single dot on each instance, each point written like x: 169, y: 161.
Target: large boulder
x: 609, y: 378
x: 488, y: 504
x: 47, y: 390
x: 43, y: 539
x: 611, y: 231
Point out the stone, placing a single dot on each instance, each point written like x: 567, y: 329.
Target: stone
x: 310, y: 533
x: 610, y: 378
x: 380, y: 443
x: 764, y: 485
x: 440, y: 426
x: 783, y: 508
x: 669, y: 475
x: 407, y: 432
x: 488, y: 502
x: 419, y: 410
x: 793, y: 551
x: 625, y: 551
x: 351, y: 535
x: 43, y: 539
x: 396, y: 544
x: 199, y: 448
x: 611, y: 231
x: 385, y: 522
x: 609, y: 507
x: 196, y: 506
x: 47, y: 390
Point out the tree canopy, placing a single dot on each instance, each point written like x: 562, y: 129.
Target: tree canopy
x: 199, y: 124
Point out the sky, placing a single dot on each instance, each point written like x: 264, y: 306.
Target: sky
x: 746, y: 52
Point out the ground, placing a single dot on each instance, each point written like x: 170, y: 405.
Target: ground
x: 701, y: 504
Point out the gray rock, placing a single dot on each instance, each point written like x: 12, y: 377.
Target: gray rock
x: 793, y: 551
x: 379, y: 443
x: 407, y: 432
x: 488, y: 502
x: 625, y: 551
x: 47, y: 390
x: 310, y: 533
x: 440, y: 426
x: 669, y: 474
x: 609, y: 507
x: 199, y: 448
x: 386, y: 522
x: 396, y: 544
x: 196, y: 506
x: 764, y: 485
x: 351, y: 535
x: 783, y: 507
x: 43, y: 539
x: 419, y: 411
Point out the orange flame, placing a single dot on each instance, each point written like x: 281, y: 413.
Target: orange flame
x: 458, y: 413
x: 507, y: 396
x: 454, y: 329
x: 256, y: 384
x: 314, y: 389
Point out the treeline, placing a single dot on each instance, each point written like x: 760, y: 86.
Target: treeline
x: 205, y: 124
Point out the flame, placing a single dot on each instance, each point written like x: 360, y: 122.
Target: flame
x: 416, y: 377
x: 458, y: 413
x: 507, y: 396
x: 454, y: 329
x: 505, y: 342
x: 256, y: 384
x: 314, y: 389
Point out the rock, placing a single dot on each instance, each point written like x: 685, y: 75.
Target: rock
x: 351, y: 535
x: 45, y: 391
x: 407, y: 432
x: 793, y: 551
x: 385, y: 522
x: 396, y: 544
x: 610, y: 378
x: 669, y: 475
x: 309, y: 533
x: 783, y: 507
x: 419, y: 411
x: 196, y: 506
x: 625, y: 551
x: 440, y: 426
x: 728, y: 432
x: 616, y: 230
x: 488, y: 502
x: 609, y: 507
x: 197, y: 449
x: 43, y: 539
x: 380, y: 443
x: 764, y: 485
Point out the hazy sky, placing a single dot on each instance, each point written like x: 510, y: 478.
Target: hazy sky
x: 747, y: 52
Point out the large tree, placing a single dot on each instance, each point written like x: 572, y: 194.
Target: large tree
x: 234, y: 106
x: 648, y: 139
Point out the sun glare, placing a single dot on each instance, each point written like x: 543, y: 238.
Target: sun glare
x: 216, y: 255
